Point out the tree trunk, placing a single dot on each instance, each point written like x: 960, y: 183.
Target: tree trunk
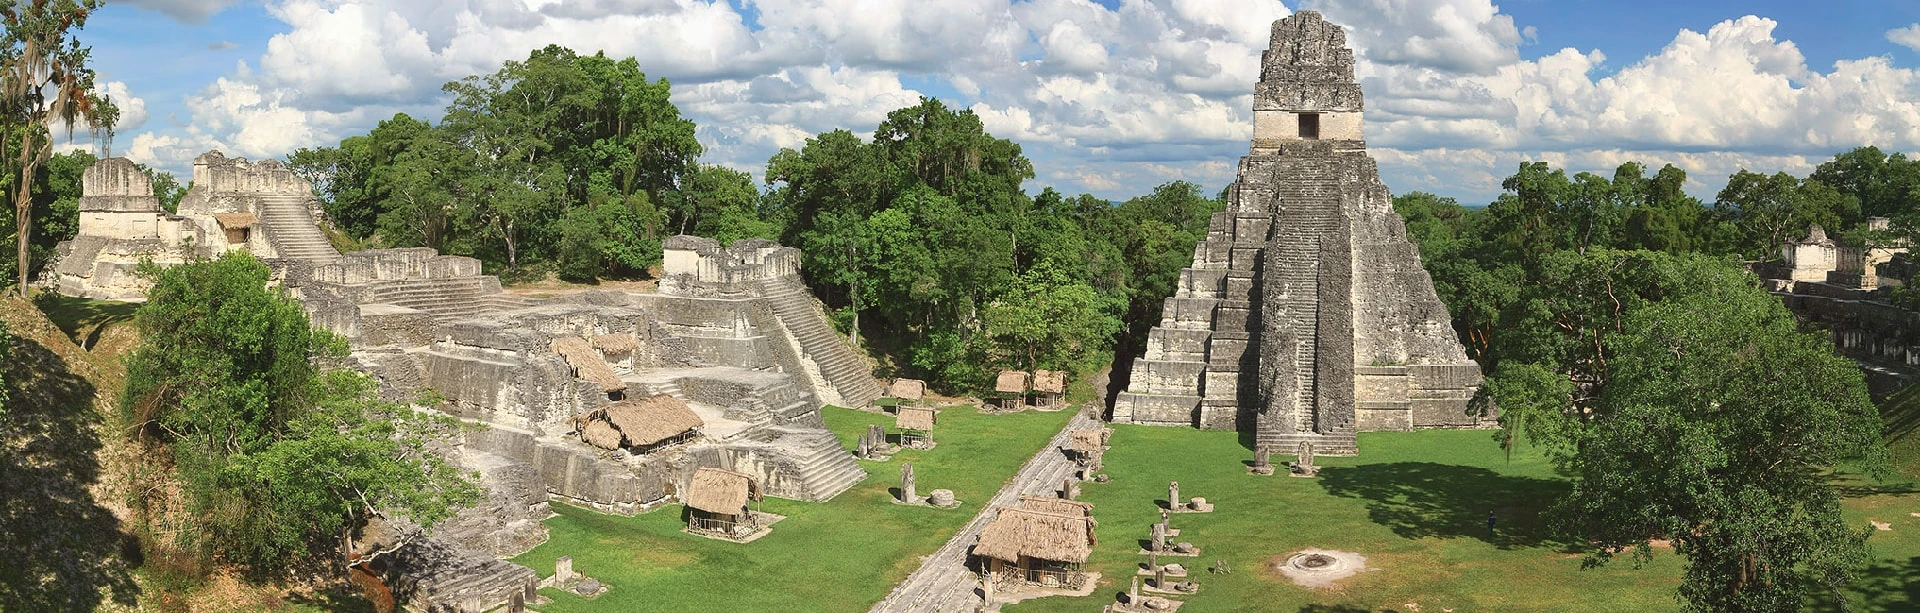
x: 23, y: 207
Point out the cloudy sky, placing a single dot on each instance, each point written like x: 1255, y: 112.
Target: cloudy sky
x: 1109, y: 97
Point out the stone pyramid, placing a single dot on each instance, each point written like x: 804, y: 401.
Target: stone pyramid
x: 1306, y: 315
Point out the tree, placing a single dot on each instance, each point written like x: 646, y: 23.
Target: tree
x: 280, y: 457
x: 1769, y: 209
x: 46, y: 79
x: 1048, y: 321
x: 1717, y: 431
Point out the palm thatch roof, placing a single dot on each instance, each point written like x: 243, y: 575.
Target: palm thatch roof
x: 599, y: 434
x: 647, y: 421
x: 1056, y: 506
x: 1087, y: 439
x: 917, y: 418
x: 1050, y: 381
x: 907, y: 389
x: 233, y: 221
x: 1016, y: 532
x: 618, y: 343
x: 587, y: 363
x: 718, y: 490
x: 1010, y: 382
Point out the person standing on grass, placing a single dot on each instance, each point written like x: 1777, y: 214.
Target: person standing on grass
x: 1489, y: 524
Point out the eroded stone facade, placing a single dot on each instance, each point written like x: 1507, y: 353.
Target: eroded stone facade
x: 1306, y: 315
x: 233, y: 204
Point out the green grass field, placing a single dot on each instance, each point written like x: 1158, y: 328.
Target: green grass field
x: 1415, y: 504
x: 843, y: 555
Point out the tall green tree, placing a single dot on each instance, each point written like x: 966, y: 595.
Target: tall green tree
x: 281, y: 457
x: 1769, y: 209
x: 45, y: 82
x: 1717, y: 429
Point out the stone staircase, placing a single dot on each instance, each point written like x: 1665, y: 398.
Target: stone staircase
x: 826, y: 468
x: 431, y: 575
x: 447, y: 300
x: 843, y: 367
x: 1313, y: 292
x: 292, y: 229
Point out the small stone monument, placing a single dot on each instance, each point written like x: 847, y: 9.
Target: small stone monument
x: 1153, y: 561
x: 587, y: 587
x: 1158, y: 537
x: 1133, y: 593
x: 1262, y: 462
x: 943, y: 499
x: 1303, y: 467
x: 1159, y: 577
x: 563, y: 570
x: 906, y: 485
x: 866, y: 447
x: 1069, y: 489
x: 1173, y: 494
x: 1199, y: 505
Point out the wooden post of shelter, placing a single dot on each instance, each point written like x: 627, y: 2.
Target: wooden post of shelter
x: 1011, y: 388
x: 1051, y: 385
x: 916, y: 425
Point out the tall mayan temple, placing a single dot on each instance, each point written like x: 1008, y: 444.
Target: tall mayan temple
x: 1306, y: 315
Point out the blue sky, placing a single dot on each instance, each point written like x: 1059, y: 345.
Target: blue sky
x: 1109, y: 97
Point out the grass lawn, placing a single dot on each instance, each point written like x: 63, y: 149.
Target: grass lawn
x: 1415, y: 504
x: 843, y: 555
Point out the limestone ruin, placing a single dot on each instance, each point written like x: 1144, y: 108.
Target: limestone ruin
x: 234, y: 204
x: 610, y: 400
x: 1306, y: 315
x: 1832, y: 284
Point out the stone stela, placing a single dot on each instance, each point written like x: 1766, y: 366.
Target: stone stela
x: 1306, y: 314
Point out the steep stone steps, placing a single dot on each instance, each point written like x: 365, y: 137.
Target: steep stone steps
x: 291, y: 228
x: 826, y: 469
x: 839, y: 364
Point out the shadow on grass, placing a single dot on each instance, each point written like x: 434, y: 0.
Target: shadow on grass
x: 59, y: 550
x: 83, y: 319
x: 1424, y: 499
x: 1886, y: 585
x: 334, y: 600
x: 1862, y: 489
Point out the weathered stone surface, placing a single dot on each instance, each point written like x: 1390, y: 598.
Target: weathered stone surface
x: 233, y: 204
x: 1306, y: 314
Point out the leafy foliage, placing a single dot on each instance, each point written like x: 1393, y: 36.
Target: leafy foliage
x: 1624, y: 337
x: 45, y: 80
x: 561, y: 157
x: 279, y: 456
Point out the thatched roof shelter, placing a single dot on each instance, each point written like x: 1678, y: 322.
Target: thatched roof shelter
x: 600, y: 434
x: 647, y: 421
x: 1086, y: 440
x: 1010, y: 382
x: 618, y: 343
x: 1056, y: 506
x: 235, y: 221
x: 917, y: 418
x: 1019, y: 532
x: 717, y: 490
x: 907, y: 389
x: 1050, y: 381
x: 587, y: 363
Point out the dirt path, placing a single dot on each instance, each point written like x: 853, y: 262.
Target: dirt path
x: 943, y: 584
